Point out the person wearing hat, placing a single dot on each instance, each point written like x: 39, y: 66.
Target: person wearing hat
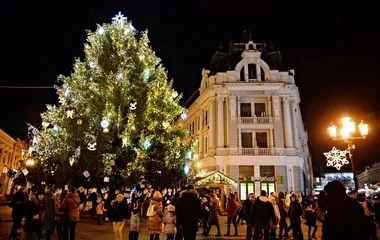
x: 345, y: 218
x: 189, y: 212
x: 155, y: 215
x: 169, y: 222
x: 50, y: 210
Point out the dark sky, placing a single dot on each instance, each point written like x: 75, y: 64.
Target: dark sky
x: 333, y: 48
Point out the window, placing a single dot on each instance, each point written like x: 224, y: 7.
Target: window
x: 261, y: 139
x: 266, y: 171
x: 206, y: 145
x: 252, y: 71
x: 245, y: 110
x: 192, y: 128
x: 206, y: 118
x: 260, y: 109
x: 268, y: 187
x: 242, y: 78
x: 246, y: 140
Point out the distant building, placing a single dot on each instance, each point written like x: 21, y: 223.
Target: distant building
x: 10, y: 154
x: 370, y: 176
x: 247, y: 121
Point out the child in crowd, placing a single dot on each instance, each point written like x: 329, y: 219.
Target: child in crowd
x: 134, y: 227
x: 100, y: 211
x: 170, y: 222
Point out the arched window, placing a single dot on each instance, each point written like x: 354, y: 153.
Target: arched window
x: 252, y: 71
x: 242, y: 74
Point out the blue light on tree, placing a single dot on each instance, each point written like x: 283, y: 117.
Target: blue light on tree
x: 147, y: 144
x: 186, y: 169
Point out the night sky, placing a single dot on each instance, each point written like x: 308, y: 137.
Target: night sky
x: 333, y: 49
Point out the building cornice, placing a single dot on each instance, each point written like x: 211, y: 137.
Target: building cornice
x: 5, y: 137
x: 254, y: 86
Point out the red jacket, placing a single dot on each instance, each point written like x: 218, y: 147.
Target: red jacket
x: 232, y: 207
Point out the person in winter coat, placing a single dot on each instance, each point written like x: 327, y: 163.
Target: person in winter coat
x: 283, y: 209
x: 295, y: 213
x: 169, y: 222
x: 134, y: 227
x: 232, y: 208
x: 214, y: 214
x: 177, y: 197
x: 50, y: 210
x: 205, y: 214
x: 262, y: 213
x: 155, y: 215
x: 189, y: 212
x: 119, y: 216
x: 247, y: 215
x: 31, y: 226
x: 100, y: 209
x: 39, y: 199
x: 70, y: 207
x: 311, y: 220
x: 345, y: 218
x: 272, y: 225
x: 369, y: 215
x: 18, y: 205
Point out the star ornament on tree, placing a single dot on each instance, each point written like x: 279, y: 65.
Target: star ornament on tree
x: 336, y: 158
x: 119, y: 18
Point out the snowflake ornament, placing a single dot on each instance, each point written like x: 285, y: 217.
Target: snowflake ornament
x: 336, y: 158
x: 119, y: 18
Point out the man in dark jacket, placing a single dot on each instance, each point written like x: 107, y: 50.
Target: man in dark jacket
x: 189, y: 213
x: 261, y: 213
x: 18, y: 205
x: 345, y: 218
x: 247, y: 215
x: 177, y: 197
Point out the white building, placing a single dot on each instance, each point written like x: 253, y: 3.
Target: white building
x: 247, y: 122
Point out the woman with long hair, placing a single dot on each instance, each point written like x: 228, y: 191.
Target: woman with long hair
x: 295, y: 213
x: 214, y: 214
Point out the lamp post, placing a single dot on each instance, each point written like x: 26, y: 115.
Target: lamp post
x: 347, y: 134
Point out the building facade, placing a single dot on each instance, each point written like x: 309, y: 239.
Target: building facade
x: 370, y: 176
x: 10, y: 155
x: 247, y: 121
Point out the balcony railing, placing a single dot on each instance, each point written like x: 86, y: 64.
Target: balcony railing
x: 256, y: 120
x: 256, y: 151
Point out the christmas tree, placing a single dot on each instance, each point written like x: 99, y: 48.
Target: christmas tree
x: 115, y: 118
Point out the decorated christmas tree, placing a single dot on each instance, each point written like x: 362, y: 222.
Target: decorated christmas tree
x: 114, y: 121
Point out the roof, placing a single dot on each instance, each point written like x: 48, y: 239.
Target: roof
x: 216, y: 177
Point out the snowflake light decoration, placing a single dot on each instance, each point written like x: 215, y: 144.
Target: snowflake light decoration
x: 336, y: 158
x: 119, y: 18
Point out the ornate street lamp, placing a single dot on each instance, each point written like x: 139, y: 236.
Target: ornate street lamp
x: 347, y: 134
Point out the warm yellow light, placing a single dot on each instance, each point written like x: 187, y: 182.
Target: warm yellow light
x: 198, y: 164
x: 363, y: 129
x: 351, y: 127
x: 346, y: 122
x: 332, y: 131
x: 345, y: 134
x: 29, y: 162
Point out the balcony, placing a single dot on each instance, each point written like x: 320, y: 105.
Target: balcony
x: 256, y: 151
x: 256, y: 120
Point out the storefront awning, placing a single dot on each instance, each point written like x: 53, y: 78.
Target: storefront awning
x: 218, y: 178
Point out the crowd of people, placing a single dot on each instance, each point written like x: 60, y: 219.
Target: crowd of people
x: 37, y: 214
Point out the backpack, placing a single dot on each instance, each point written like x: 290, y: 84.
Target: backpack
x: 151, y: 212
